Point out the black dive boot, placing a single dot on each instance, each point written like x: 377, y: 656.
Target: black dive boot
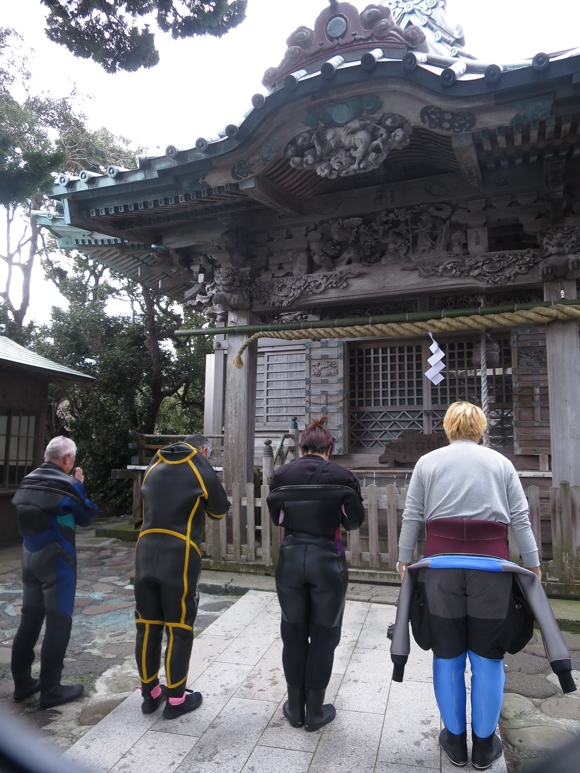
x: 53, y: 693
x: 192, y: 702
x: 25, y: 685
x: 150, y: 704
x: 454, y: 746
x: 317, y: 714
x: 293, y: 708
x: 485, y: 750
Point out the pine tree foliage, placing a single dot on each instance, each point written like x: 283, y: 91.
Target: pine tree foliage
x: 116, y: 33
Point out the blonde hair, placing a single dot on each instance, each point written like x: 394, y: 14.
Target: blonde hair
x: 464, y: 420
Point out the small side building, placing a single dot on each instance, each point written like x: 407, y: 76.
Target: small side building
x: 24, y: 380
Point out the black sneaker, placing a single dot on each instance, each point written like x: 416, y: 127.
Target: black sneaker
x: 191, y: 703
x: 150, y: 704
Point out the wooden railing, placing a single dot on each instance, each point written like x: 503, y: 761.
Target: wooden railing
x: 146, y: 446
x: 246, y: 540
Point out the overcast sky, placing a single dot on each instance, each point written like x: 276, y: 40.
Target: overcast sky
x: 202, y: 84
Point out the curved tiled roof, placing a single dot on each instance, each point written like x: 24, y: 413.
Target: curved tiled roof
x: 435, y: 60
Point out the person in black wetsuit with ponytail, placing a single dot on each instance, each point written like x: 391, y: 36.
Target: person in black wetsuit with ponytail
x: 311, y: 498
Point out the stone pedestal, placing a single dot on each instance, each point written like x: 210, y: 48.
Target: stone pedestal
x: 563, y: 350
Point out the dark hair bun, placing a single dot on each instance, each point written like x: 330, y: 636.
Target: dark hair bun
x: 316, y: 439
x: 317, y: 422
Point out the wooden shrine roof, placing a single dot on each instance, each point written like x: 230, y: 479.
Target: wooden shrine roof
x: 397, y: 62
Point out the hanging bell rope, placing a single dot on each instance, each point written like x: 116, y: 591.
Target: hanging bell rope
x: 537, y: 315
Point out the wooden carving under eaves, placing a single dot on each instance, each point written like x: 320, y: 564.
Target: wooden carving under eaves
x: 341, y: 28
x: 410, y: 446
x: 561, y: 244
x: 354, y: 148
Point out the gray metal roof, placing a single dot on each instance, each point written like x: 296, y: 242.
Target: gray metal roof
x: 18, y: 356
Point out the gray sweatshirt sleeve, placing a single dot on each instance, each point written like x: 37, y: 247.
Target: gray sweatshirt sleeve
x: 520, y: 520
x: 413, y: 516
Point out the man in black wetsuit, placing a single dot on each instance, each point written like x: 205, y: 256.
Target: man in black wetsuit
x: 179, y: 487
x: 50, y: 503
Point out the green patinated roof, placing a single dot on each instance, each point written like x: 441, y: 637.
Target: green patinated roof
x: 20, y: 357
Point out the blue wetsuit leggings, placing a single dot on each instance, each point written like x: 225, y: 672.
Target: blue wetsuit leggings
x: 467, y: 608
x: 487, y: 682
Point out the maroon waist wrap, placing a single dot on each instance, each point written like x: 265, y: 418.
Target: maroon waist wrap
x: 461, y: 535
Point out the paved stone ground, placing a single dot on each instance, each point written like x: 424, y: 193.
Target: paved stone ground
x: 535, y: 717
x: 381, y: 727
x: 101, y: 651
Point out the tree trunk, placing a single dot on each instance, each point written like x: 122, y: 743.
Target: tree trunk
x: 152, y: 345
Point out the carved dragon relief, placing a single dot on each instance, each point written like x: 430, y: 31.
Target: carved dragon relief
x: 233, y: 289
x: 354, y: 148
x: 324, y: 368
x: 492, y: 268
x: 558, y: 256
x: 428, y: 238
x: 532, y: 357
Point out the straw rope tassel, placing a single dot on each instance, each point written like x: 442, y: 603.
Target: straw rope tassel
x: 539, y: 315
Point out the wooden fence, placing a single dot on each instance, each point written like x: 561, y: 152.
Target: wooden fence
x: 246, y: 540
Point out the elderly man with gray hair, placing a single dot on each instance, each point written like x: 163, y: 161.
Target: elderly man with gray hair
x: 50, y: 502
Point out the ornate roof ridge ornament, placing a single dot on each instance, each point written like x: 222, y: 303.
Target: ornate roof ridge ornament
x: 340, y: 29
x: 430, y: 17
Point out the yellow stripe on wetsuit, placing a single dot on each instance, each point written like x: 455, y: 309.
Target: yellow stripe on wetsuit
x: 172, y: 534
x: 188, y: 544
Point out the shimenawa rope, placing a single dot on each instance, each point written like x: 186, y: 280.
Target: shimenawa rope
x: 538, y: 315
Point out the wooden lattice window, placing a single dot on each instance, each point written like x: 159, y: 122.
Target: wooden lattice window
x: 386, y: 376
x: 462, y: 380
x: 388, y: 392
x: 17, y: 443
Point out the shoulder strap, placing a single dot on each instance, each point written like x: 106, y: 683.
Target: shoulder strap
x: 315, y: 477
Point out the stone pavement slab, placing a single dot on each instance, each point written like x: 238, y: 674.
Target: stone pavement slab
x: 380, y: 727
x: 101, y: 653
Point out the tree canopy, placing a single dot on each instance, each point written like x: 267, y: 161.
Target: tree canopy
x: 116, y: 33
x: 145, y: 378
x: 39, y: 135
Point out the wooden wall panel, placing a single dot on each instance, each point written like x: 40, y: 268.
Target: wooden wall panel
x: 22, y: 390
x: 530, y: 385
x: 325, y: 386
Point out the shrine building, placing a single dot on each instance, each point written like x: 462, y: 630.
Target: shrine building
x: 388, y: 185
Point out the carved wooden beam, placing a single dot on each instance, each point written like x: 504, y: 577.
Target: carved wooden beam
x: 554, y: 187
x: 272, y: 196
x: 466, y: 155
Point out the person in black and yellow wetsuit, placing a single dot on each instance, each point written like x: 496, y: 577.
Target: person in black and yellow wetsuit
x: 179, y: 487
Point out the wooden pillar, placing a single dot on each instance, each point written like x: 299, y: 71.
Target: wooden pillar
x: 213, y: 417
x: 240, y: 407
x: 563, y: 351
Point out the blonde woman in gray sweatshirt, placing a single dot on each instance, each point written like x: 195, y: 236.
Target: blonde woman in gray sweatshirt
x: 467, y: 496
